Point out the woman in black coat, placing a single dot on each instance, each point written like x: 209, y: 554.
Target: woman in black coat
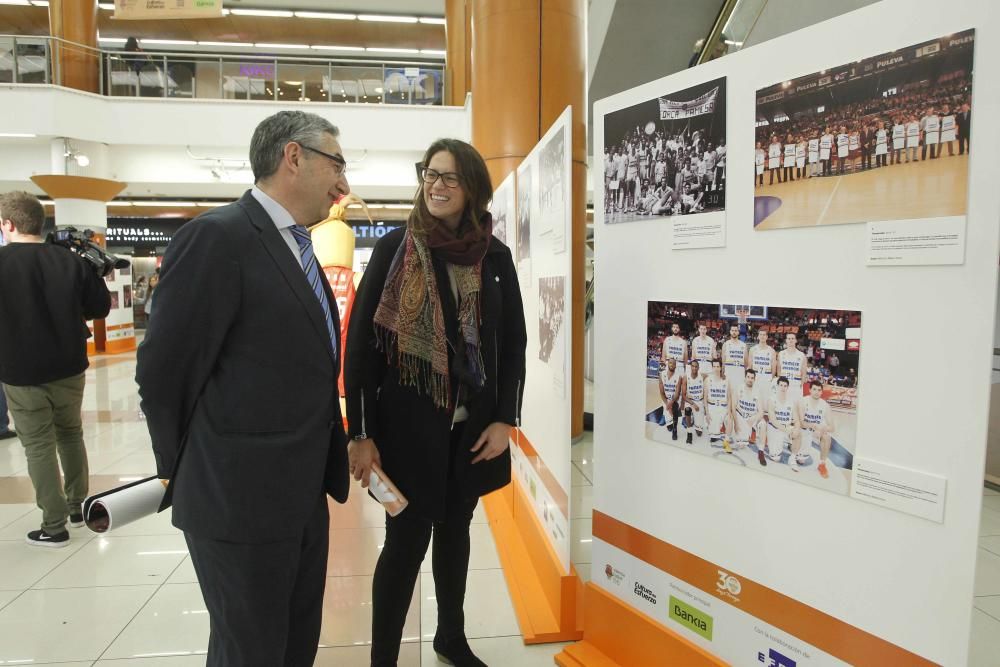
x: 434, y: 377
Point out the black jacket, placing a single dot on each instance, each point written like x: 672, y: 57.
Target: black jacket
x: 46, y: 294
x: 412, y: 435
x: 239, y: 381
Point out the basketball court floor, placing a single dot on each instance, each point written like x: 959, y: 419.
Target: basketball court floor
x: 923, y: 189
x: 840, y: 460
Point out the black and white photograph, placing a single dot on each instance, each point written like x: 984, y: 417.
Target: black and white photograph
x: 769, y: 388
x: 501, y: 210
x: 553, y: 189
x: 667, y: 156
x: 879, y: 139
x: 524, y: 223
x: 552, y: 326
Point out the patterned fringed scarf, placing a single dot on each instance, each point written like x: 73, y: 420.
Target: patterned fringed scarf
x: 409, y: 321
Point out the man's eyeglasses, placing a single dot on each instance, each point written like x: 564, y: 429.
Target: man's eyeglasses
x: 430, y: 176
x: 339, y: 163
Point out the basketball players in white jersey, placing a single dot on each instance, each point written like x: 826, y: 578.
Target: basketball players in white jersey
x: 694, y: 401
x: 748, y: 414
x: 675, y: 347
x: 704, y: 349
x: 815, y: 416
x: 782, y: 423
x: 671, y: 385
x: 764, y: 361
x: 734, y: 356
x: 718, y: 416
x: 792, y: 364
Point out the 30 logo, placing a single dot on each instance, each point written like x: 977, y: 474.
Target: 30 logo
x: 775, y: 659
x: 728, y: 584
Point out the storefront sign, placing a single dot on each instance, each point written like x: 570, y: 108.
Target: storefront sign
x: 167, y: 9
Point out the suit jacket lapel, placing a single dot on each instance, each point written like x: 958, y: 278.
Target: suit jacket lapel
x: 290, y: 269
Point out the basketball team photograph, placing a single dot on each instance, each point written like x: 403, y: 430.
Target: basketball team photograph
x: 769, y: 388
x: 553, y: 184
x: 880, y: 139
x: 523, y: 256
x: 667, y: 156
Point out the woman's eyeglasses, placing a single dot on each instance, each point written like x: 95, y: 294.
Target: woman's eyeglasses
x: 430, y: 176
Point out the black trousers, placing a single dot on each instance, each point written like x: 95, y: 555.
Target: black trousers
x: 406, y: 538
x: 265, y: 601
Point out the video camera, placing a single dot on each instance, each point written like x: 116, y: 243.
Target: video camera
x: 82, y: 244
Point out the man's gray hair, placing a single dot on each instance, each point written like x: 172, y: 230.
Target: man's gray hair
x: 267, y: 146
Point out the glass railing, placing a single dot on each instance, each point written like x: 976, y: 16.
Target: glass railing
x: 734, y: 23
x: 227, y: 76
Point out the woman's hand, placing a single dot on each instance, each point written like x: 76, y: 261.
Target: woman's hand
x: 361, y: 454
x: 492, y: 443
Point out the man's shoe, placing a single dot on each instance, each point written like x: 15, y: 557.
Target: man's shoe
x: 75, y: 519
x: 456, y: 652
x: 40, y: 538
x: 8, y: 434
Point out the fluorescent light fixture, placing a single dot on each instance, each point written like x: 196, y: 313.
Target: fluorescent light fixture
x: 386, y: 18
x: 40, y: 3
x: 324, y: 47
x: 388, y: 50
x: 45, y: 202
x: 112, y: 40
x: 164, y: 204
x: 433, y: 52
x: 326, y: 15
x: 23, y: 3
x: 226, y: 44
x: 17, y: 135
x: 119, y: 202
x: 176, y: 42
x: 264, y: 45
x: 433, y: 20
x: 210, y: 204
x: 276, y: 13
x: 107, y: 6
x: 292, y: 83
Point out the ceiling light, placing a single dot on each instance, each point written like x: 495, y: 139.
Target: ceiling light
x: 107, y: 6
x: 387, y: 50
x: 323, y: 47
x: 112, y: 40
x: 326, y: 15
x: 433, y: 52
x: 386, y: 18
x: 14, y: 2
x: 434, y: 20
x: 119, y: 202
x: 157, y: 203
x: 17, y: 135
x: 225, y: 44
x: 177, y: 42
x: 279, y: 13
x: 262, y: 45
x: 210, y: 204
x: 292, y: 83
x: 379, y: 90
x: 82, y: 160
x: 40, y: 3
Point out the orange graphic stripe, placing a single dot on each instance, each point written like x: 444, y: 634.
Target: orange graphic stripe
x: 555, y: 489
x: 829, y: 634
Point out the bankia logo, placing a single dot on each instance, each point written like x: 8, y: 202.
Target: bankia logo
x: 774, y: 659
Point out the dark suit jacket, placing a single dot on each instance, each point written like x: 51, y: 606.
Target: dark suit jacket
x: 239, y: 381
x: 412, y: 435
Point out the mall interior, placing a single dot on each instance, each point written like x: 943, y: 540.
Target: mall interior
x: 611, y: 130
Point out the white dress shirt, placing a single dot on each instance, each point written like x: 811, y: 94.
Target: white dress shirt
x: 281, y: 218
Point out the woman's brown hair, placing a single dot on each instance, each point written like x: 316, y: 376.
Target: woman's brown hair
x: 474, y: 179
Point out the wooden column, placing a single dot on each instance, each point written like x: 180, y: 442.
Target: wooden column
x: 458, y: 66
x: 76, y: 21
x: 528, y: 64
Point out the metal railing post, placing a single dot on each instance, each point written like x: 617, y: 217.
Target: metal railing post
x: 329, y: 81
x: 17, y: 74
x: 221, y: 92
x: 48, y: 63
x: 275, y: 81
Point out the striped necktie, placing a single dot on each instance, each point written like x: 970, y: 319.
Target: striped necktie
x: 311, y: 267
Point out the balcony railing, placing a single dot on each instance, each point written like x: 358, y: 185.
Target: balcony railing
x: 248, y: 76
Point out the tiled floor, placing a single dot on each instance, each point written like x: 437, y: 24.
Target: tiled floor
x: 132, y: 599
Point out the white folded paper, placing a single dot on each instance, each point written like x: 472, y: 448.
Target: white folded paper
x: 386, y: 492
x: 104, y: 512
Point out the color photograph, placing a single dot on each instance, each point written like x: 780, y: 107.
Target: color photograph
x: 884, y: 138
x: 765, y: 387
x: 667, y: 156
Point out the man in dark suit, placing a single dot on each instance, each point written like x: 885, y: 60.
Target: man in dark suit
x: 963, y: 119
x: 238, y: 379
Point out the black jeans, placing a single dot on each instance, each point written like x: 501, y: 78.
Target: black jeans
x: 406, y: 538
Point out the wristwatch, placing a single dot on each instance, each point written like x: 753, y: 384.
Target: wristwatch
x: 359, y: 436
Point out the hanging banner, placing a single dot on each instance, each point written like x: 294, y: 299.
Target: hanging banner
x: 669, y: 109
x: 167, y: 9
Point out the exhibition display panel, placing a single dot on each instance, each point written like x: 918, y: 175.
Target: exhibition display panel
x: 703, y: 550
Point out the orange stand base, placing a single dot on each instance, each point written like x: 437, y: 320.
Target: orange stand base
x: 547, y: 600
x: 616, y: 635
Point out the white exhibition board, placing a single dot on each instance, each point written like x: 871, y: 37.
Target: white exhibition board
x: 928, y: 333
x: 541, y: 453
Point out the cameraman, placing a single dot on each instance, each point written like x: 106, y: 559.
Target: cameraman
x: 48, y: 294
